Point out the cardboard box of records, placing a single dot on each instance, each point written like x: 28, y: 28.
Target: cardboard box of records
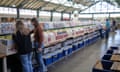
x: 6, y: 47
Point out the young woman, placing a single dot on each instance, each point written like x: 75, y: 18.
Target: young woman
x: 38, y: 36
x: 23, y: 44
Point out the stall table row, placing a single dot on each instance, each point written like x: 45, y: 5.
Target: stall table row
x: 51, y: 54
x: 59, y: 51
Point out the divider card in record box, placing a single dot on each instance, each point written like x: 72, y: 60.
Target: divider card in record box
x: 49, y: 37
x: 60, y: 35
x: 93, y: 27
x: 6, y: 47
x: 45, y: 38
x: 90, y: 29
x: 69, y: 32
x: 80, y: 31
x: 47, y: 25
x: 58, y: 24
x: 66, y: 34
x: 74, y: 30
x: 72, y: 24
x: 77, y: 32
x: 67, y: 23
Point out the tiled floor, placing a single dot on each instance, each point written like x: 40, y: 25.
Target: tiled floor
x: 83, y: 60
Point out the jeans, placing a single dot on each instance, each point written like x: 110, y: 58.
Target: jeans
x: 101, y: 34
x: 26, y: 61
x: 107, y: 33
x: 42, y: 67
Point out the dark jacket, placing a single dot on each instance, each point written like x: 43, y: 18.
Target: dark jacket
x: 23, y: 43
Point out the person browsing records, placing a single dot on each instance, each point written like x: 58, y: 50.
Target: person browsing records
x: 23, y: 45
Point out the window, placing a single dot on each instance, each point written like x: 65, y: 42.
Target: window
x: 65, y: 15
x: 44, y: 16
x: 27, y: 12
x: 44, y: 13
x: 5, y: 10
x: 85, y: 15
x: 56, y: 16
x: 101, y: 15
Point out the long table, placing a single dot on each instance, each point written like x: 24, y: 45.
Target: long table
x: 116, y: 67
x: 115, y: 58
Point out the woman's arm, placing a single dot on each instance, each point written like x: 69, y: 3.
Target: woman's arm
x: 31, y: 32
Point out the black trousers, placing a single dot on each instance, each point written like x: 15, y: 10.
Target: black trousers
x: 14, y: 63
x: 1, y: 68
x: 101, y: 34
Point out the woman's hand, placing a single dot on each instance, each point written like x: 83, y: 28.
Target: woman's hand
x: 25, y: 31
x: 40, y: 49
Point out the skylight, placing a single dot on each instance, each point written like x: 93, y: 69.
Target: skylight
x: 67, y: 3
x: 102, y: 7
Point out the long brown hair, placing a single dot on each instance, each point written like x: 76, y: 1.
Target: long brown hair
x: 35, y: 21
x: 38, y: 31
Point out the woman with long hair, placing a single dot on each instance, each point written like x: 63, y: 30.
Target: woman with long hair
x: 38, y: 40
x: 23, y: 45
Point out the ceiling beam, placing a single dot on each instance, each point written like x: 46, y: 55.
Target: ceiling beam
x: 66, y: 9
x: 44, y: 5
x: 57, y: 7
x: 22, y: 3
x: 89, y: 6
x: 31, y: 5
x: 5, y: 1
x: 37, y: 4
x: 103, y: 13
x: 29, y: 9
x: 108, y: 1
x: 10, y: 2
x: 28, y: 4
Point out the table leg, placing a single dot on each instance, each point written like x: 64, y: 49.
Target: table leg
x: 4, y: 64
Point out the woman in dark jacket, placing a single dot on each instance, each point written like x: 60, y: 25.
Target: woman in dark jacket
x: 23, y: 44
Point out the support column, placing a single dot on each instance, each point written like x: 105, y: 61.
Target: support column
x: 92, y: 16
x: 51, y: 17
x: 61, y: 16
x: 38, y: 13
x: 18, y: 13
x: 70, y: 16
x: 109, y: 16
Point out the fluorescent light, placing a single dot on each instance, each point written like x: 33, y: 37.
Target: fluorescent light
x: 13, y: 5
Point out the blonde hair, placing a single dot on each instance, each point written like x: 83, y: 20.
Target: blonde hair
x: 19, y: 25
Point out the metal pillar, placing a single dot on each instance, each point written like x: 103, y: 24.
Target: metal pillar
x: 51, y: 17
x: 37, y: 13
x: 92, y: 16
x: 18, y: 13
x: 70, y: 16
x: 62, y: 16
x: 109, y: 16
